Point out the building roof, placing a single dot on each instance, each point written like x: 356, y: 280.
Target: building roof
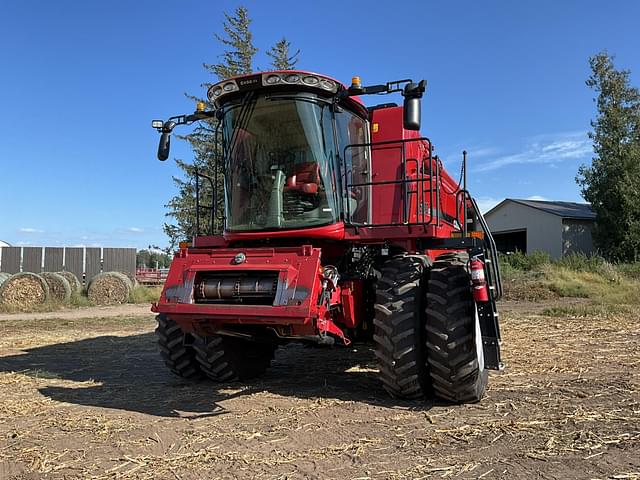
x: 574, y: 210
x: 4, y: 244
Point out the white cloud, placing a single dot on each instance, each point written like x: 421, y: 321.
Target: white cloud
x: 30, y: 230
x: 537, y: 197
x: 486, y: 203
x: 135, y: 230
x: 482, y: 152
x: 544, y: 149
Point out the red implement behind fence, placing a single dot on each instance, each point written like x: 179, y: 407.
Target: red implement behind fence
x: 325, y: 221
x: 151, y: 276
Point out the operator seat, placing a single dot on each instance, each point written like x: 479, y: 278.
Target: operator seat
x: 305, y: 178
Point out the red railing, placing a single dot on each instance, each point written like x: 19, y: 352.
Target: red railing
x: 151, y: 276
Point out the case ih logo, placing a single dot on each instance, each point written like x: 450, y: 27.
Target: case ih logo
x: 247, y: 82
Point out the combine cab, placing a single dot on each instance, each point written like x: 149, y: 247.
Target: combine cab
x: 339, y: 225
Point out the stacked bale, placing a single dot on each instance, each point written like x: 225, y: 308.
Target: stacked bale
x: 24, y: 290
x: 109, y: 288
x: 131, y: 277
x: 76, y: 286
x: 59, y: 287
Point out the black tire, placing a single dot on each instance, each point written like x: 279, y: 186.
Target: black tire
x: 227, y: 359
x: 398, y: 326
x: 178, y: 357
x: 453, y: 344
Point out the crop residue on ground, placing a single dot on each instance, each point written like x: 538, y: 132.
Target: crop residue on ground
x: 90, y: 398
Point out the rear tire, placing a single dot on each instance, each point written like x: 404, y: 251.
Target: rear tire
x: 398, y: 326
x: 227, y: 359
x: 178, y: 357
x: 455, y: 358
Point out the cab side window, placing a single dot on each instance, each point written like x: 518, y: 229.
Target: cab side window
x: 351, y: 130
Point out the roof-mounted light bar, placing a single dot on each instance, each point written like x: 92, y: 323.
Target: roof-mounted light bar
x: 260, y: 80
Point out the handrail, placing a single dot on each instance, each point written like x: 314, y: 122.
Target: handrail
x: 421, y: 180
x: 213, y: 183
x: 493, y: 249
x: 211, y: 208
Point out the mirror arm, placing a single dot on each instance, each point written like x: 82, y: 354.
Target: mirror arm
x: 173, y: 122
x: 389, y: 87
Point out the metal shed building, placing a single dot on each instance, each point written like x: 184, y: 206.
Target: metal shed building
x: 558, y: 228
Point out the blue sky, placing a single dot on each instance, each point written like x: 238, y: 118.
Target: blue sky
x: 80, y: 82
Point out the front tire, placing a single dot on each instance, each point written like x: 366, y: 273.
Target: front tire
x: 227, y: 359
x: 178, y: 357
x: 455, y: 358
x: 398, y: 326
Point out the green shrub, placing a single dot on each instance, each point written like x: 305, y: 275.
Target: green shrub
x: 580, y: 262
x: 506, y: 270
x: 523, y: 262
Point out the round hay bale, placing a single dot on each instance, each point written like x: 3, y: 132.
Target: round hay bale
x: 131, y: 277
x: 59, y: 288
x: 109, y: 288
x: 76, y: 286
x: 4, y: 276
x: 24, y: 290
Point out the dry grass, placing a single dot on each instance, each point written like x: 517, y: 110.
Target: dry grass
x: 140, y: 294
x: 607, y: 290
x: 567, y: 406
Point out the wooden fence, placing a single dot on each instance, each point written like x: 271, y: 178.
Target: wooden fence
x: 84, y: 262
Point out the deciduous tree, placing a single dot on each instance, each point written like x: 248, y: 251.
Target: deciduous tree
x: 612, y: 182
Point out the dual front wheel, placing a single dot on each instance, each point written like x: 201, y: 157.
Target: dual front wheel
x: 427, y: 336
x: 220, y: 358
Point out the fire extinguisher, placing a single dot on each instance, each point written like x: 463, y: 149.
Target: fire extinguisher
x: 478, y: 280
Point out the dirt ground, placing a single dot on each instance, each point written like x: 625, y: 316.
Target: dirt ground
x: 86, y: 396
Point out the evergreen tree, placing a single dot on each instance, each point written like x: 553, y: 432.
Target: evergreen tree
x: 612, y: 183
x: 238, y: 58
x: 281, y: 58
x: 235, y: 60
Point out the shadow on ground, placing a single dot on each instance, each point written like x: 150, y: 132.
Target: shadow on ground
x: 130, y: 376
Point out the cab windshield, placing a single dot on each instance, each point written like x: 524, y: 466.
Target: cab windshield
x: 279, y: 163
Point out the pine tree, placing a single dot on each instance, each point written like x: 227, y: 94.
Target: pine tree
x: 281, y: 58
x: 237, y: 59
x: 612, y: 183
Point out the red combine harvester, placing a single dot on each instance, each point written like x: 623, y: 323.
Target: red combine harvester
x: 339, y: 225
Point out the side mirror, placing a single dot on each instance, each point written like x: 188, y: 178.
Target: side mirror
x: 412, y: 94
x: 165, y: 129
x: 412, y: 114
x: 164, y: 146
